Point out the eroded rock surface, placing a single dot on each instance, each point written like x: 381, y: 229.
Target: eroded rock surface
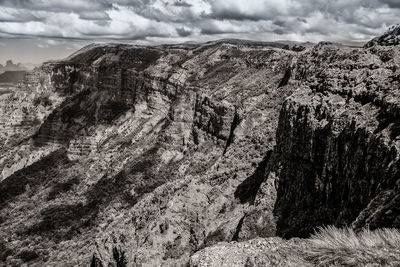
x: 152, y: 144
x: 337, y: 147
x: 272, y: 251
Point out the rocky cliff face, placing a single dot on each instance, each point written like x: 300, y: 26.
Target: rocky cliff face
x: 391, y: 37
x: 337, y: 145
x: 143, y: 156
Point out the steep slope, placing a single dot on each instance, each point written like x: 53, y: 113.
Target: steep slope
x: 389, y: 38
x: 337, y: 147
x: 151, y: 144
x: 336, y: 162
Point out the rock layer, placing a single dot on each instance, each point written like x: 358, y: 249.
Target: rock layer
x: 337, y: 147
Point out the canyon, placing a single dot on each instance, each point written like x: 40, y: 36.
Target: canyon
x: 229, y: 152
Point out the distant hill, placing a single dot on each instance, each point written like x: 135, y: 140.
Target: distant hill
x: 12, y: 76
x: 10, y: 66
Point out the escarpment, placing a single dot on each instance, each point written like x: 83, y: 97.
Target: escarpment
x: 337, y: 148
x: 145, y: 156
x: 338, y: 162
x: 154, y: 142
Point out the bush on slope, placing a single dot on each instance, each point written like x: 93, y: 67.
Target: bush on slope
x: 344, y: 247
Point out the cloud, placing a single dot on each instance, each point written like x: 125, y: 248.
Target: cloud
x: 248, y: 10
x: 14, y: 15
x: 182, y: 31
x: 94, y: 15
x: 197, y: 19
x: 392, y: 3
x: 58, y: 6
x: 181, y: 3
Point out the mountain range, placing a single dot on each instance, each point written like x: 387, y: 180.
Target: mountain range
x: 10, y: 66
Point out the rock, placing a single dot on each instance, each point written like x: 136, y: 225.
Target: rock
x: 155, y: 142
x: 391, y: 37
x: 255, y: 252
x: 337, y: 147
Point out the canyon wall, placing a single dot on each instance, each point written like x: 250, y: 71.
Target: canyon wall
x: 337, y: 145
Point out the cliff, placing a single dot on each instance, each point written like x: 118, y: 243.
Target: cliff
x: 143, y: 156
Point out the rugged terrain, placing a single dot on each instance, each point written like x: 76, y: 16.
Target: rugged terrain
x: 125, y: 155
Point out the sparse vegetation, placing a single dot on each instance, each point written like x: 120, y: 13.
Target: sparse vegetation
x: 34, y: 175
x: 332, y: 246
x: 4, y: 252
x: 42, y: 79
x: 60, y: 188
x: 28, y: 255
x: 43, y: 100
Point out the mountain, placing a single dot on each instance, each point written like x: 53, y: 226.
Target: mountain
x: 226, y: 153
x: 391, y: 37
x: 10, y: 66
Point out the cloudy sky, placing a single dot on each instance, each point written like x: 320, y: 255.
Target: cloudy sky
x: 38, y: 30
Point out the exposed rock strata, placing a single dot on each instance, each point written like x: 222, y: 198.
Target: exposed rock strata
x: 156, y: 141
x: 337, y: 146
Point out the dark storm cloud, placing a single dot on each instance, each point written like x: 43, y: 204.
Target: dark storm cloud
x: 279, y: 31
x: 279, y: 23
x: 211, y: 31
x: 17, y: 16
x: 138, y: 19
x: 181, y: 4
x: 392, y: 3
x: 58, y: 5
x: 183, y: 32
x: 94, y: 15
x: 235, y: 15
x: 302, y: 20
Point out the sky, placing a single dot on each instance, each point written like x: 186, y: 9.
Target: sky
x: 38, y: 30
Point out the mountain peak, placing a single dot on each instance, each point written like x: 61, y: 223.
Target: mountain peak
x: 10, y: 63
x: 11, y: 66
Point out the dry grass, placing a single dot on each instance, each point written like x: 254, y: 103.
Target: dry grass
x: 331, y: 246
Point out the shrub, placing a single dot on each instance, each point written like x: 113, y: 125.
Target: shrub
x: 63, y: 187
x: 28, y: 255
x: 4, y: 252
x: 43, y: 100
x: 42, y: 79
x: 343, y: 247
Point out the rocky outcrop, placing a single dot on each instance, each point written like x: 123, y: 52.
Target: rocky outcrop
x: 11, y: 67
x: 337, y: 150
x: 343, y: 165
x: 256, y: 252
x: 391, y: 37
